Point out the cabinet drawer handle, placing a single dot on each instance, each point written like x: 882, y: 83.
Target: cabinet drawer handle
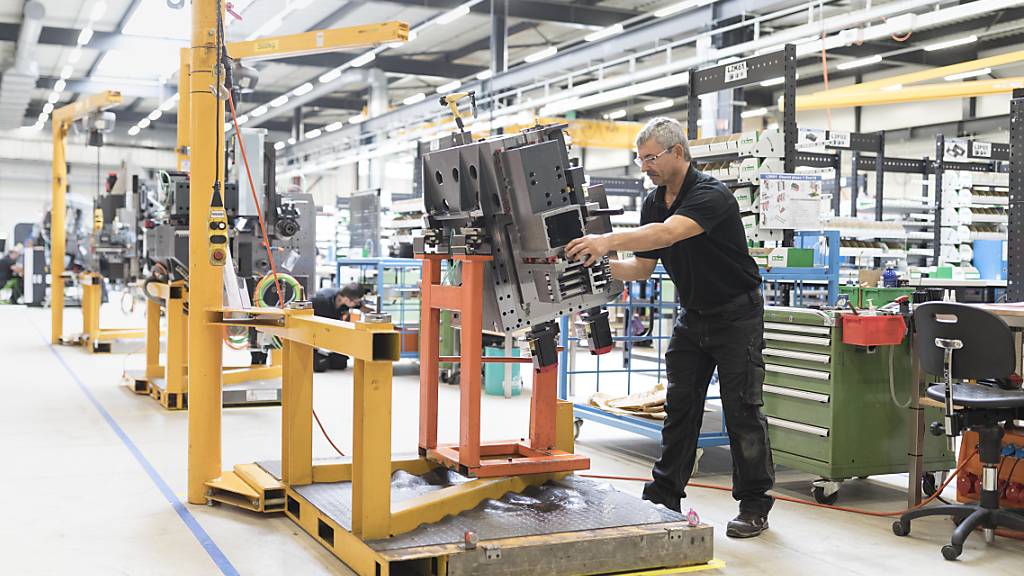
x: 793, y: 393
x: 798, y: 427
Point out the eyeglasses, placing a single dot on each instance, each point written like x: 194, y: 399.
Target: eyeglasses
x: 649, y: 159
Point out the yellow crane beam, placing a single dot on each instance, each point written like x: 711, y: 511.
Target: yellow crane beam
x: 945, y: 91
x: 318, y: 41
x: 930, y: 74
x: 63, y: 117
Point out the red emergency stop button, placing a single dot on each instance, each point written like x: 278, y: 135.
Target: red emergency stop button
x: 218, y: 255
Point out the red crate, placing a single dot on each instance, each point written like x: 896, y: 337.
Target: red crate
x: 873, y: 330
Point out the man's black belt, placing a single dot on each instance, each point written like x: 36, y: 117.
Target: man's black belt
x: 752, y: 297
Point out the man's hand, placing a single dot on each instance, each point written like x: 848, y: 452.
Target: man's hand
x: 590, y: 248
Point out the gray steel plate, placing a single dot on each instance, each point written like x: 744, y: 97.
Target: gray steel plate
x: 570, y: 505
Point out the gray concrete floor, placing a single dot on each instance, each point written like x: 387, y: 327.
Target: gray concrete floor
x: 79, y: 500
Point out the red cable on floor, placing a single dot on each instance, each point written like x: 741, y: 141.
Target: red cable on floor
x: 266, y: 239
x: 928, y: 500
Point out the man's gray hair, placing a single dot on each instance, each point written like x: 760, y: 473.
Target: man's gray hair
x: 667, y: 132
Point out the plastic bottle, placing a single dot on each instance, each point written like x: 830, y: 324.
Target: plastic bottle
x: 890, y: 278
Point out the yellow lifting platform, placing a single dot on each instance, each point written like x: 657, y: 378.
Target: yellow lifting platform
x: 254, y: 385
x: 63, y: 118
x: 378, y: 514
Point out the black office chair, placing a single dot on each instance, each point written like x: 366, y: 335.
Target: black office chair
x: 966, y: 342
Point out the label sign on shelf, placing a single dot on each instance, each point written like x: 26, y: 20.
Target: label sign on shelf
x: 791, y: 201
x: 734, y: 72
x: 955, y: 149
x: 981, y: 149
x: 839, y: 139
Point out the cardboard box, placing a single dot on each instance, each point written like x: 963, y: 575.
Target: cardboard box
x: 791, y: 258
x: 869, y: 277
x: 746, y: 198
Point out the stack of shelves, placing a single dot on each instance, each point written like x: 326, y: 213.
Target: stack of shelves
x: 406, y: 219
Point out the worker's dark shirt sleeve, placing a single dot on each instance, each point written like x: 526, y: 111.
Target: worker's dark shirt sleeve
x: 647, y: 216
x: 707, y: 204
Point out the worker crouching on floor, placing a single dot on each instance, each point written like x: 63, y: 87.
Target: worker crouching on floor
x: 336, y: 303
x: 691, y: 222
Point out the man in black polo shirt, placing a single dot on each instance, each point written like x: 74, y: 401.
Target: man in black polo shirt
x: 691, y: 222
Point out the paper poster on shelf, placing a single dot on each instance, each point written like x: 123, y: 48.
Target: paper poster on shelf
x: 790, y: 201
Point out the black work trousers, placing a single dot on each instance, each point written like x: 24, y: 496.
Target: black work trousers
x: 730, y: 338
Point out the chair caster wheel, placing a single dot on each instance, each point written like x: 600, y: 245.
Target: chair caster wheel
x: 950, y: 552
x: 823, y: 496
x: 900, y: 529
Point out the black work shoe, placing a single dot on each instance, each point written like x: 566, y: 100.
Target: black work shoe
x: 747, y: 525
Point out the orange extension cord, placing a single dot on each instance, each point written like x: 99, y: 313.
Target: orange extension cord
x: 266, y: 241
x: 924, y: 502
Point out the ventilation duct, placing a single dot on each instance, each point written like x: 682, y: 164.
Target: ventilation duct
x: 19, y: 81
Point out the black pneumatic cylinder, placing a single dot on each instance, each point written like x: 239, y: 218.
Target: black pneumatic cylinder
x: 599, y: 332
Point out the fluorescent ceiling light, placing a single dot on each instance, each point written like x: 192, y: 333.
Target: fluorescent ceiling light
x: 66, y: 71
x: 291, y: 141
x: 42, y: 117
x: 53, y: 97
x: 279, y: 145
x: 951, y: 43
x: 755, y: 113
x: 75, y: 56
x: 418, y: 97
x: 279, y: 101
x: 169, y: 103
x: 621, y: 113
x: 304, y: 89
x: 363, y: 59
x: 144, y: 123
x: 445, y: 88
x: 133, y: 131
x: 862, y: 62
x: 60, y: 85
x: 357, y: 119
x: 84, y: 36
x: 39, y: 125
x: 654, y: 107
x: 453, y: 15
x: 970, y: 74
x: 97, y: 11
x: 258, y: 111
x: 774, y: 81
x: 604, y: 33
x: 155, y: 115
x: 334, y: 126
x: 680, y: 6
x: 538, y: 56
x: 313, y: 133
x: 47, y: 108
x: 485, y: 75
x: 242, y: 119
x: 330, y: 76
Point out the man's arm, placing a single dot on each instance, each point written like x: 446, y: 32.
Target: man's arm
x: 646, y: 238
x: 633, y: 268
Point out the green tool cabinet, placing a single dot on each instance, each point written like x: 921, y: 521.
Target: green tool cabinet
x: 829, y: 407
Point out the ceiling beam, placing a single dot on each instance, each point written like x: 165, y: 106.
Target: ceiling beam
x: 546, y: 11
x: 152, y: 90
x: 393, y: 64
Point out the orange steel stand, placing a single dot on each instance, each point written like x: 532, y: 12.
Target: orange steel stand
x: 470, y: 456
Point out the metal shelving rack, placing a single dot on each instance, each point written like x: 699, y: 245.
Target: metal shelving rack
x: 1015, y: 240
x: 405, y: 314
x: 664, y: 313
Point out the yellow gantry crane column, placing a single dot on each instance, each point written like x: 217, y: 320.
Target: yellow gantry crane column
x: 205, y: 351
x: 184, y: 118
x: 63, y: 118
x: 201, y: 155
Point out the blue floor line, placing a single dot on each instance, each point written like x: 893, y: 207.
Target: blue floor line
x: 216, y: 554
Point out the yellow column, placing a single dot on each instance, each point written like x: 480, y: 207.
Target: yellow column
x: 153, y: 369
x: 184, y: 113
x: 297, y: 411
x: 177, y: 339
x: 371, y: 449
x: 57, y: 239
x: 205, y: 351
x: 92, y: 298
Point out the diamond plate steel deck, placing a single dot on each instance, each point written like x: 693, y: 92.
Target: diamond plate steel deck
x: 573, y: 504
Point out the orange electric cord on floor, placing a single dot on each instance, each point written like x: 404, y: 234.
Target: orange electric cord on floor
x: 928, y: 500
x: 266, y: 239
